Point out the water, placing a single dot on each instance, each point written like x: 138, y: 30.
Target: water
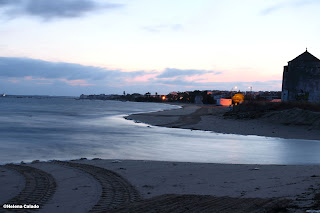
x: 61, y: 128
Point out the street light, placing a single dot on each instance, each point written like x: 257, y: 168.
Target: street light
x: 250, y: 92
x: 232, y: 89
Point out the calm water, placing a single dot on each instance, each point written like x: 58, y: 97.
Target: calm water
x: 60, y: 128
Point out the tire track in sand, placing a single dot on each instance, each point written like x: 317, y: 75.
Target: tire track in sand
x: 204, y: 203
x: 39, y: 188
x: 116, y: 191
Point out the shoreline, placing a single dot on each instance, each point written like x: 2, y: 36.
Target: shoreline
x: 117, y: 185
x: 79, y: 184
x: 210, y: 118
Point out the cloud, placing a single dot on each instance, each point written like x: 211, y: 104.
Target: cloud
x: 77, y: 82
x: 47, y: 9
x: 21, y: 67
x: 287, y: 4
x: 273, y: 85
x: 163, y: 27
x: 15, y: 69
x: 31, y: 76
x: 7, y: 2
x: 178, y: 82
x: 39, y: 70
x: 172, y: 72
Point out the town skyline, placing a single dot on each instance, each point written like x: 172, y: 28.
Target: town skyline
x: 69, y: 47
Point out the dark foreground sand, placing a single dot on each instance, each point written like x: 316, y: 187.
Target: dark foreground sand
x: 150, y: 186
x: 211, y: 118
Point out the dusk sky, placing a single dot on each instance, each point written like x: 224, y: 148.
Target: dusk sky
x: 70, y: 47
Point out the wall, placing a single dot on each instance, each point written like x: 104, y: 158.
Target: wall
x: 300, y: 78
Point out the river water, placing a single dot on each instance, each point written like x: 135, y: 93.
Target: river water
x: 64, y: 128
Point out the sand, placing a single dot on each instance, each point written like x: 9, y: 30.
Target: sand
x: 136, y: 184
x: 211, y: 118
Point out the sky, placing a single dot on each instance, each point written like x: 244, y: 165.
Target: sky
x: 73, y: 47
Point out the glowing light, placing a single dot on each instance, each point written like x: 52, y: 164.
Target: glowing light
x: 238, y: 98
x: 163, y: 97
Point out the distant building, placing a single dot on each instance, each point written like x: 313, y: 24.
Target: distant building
x: 224, y: 102
x: 173, y: 93
x: 301, y: 79
x: 270, y: 95
x: 198, y: 99
x: 83, y: 96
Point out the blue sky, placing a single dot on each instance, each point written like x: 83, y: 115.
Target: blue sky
x: 70, y: 47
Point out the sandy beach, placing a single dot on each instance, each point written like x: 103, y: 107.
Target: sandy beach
x: 210, y: 118
x: 145, y: 186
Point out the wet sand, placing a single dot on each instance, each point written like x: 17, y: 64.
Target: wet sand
x: 210, y: 118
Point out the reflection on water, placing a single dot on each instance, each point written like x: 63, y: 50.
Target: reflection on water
x: 57, y: 128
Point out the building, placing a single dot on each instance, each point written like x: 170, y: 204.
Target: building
x: 224, y: 102
x: 301, y: 79
x: 198, y: 99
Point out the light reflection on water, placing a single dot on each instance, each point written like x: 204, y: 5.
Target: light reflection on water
x: 54, y: 128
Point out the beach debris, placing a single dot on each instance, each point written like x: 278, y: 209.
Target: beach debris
x: 243, y: 193
x: 255, y: 168
x: 148, y: 186
x: 96, y: 159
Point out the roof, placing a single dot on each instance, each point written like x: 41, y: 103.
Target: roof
x: 307, y: 57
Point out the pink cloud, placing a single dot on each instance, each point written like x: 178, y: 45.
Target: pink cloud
x: 142, y: 78
x: 13, y: 80
x: 43, y: 83
x: 77, y: 82
x: 30, y: 78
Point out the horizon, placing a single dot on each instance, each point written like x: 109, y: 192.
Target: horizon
x: 138, y: 93
x: 69, y: 47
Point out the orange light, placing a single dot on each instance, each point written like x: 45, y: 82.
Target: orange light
x: 163, y: 97
x: 238, y: 98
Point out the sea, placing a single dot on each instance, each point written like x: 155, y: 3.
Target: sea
x: 60, y: 128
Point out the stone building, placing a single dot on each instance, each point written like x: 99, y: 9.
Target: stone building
x: 301, y: 79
